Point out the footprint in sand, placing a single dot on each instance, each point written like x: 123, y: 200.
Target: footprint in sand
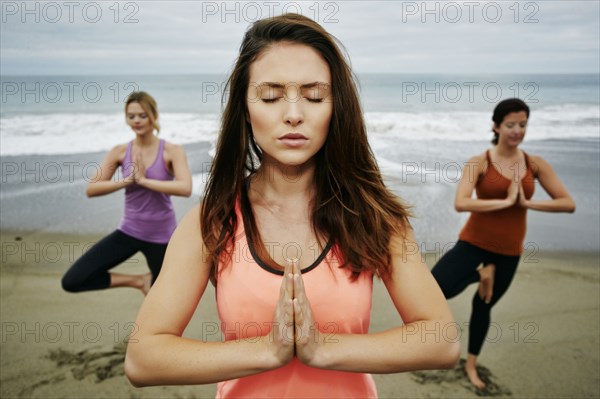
x: 457, y: 376
x: 103, y: 364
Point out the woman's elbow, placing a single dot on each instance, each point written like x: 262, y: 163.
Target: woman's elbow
x: 134, y: 370
x: 565, y: 204
x: 459, y: 206
x: 450, y: 355
x: 89, y: 192
x: 448, y: 346
x: 185, y: 190
x: 184, y: 193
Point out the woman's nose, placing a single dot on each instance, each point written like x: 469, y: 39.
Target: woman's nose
x: 293, y: 111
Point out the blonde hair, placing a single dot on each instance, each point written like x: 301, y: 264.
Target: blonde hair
x: 148, y: 104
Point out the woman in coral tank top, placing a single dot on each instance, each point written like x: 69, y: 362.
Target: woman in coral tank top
x: 503, y: 178
x: 295, y: 222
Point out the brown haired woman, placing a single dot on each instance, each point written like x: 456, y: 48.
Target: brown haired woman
x: 295, y: 223
x: 503, y: 178
x: 152, y: 171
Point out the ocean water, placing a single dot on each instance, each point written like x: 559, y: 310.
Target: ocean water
x: 422, y: 129
x: 41, y: 114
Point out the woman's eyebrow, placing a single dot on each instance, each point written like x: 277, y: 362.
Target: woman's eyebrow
x: 278, y: 85
x: 314, y: 84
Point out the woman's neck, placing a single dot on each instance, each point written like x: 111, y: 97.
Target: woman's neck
x: 275, y: 183
x: 145, y: 140
x: 504, y: 151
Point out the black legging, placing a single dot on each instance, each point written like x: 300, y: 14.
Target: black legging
x: 458, y: 268
x: 90, y: 272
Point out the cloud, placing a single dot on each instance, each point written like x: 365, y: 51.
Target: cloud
x: 381, y: 36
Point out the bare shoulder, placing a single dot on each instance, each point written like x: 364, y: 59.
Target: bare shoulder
x: 538, y: 164
x: 479, y: 158
x: 403, y: 242
x: 478, y: 162
x: 186, y: 248
x: 117, y: 153
x: 120, y: 147
x: 537, y: 159
x: 173, y: 152
x: 190, y: 223
x: 172, y: 148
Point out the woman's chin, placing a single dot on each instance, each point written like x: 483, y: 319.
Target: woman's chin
x: 289, y: 160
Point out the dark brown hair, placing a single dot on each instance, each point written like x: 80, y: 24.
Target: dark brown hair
x: 352, y: 206
x: 504, y: 108
x: 148, y: 104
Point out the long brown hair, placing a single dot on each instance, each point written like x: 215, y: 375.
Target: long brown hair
x: 352, y: 206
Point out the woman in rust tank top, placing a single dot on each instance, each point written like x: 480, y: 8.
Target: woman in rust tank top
x: 503, y: 178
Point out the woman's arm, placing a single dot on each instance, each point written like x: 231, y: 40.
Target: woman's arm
x: 102, y: 182
x: 160, y: 355
x: 181, y: 185
x: 463, y: 201
x: 561, y: 199
x: 427, y: 340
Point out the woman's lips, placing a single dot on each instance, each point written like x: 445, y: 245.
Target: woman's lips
x: 293, y: 139
x: 293, y: 136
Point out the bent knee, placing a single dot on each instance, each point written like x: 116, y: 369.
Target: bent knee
x: 69, y: 284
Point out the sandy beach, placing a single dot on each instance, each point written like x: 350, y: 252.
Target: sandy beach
x: 428, y: 77
x: 544, y: 341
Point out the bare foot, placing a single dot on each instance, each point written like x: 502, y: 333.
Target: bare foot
x: 472, y: 372
x: 146, y: 283
x: 486, y: 282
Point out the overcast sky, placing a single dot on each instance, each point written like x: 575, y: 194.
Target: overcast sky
x: 161, y: 37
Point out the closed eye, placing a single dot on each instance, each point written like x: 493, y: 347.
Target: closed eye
x: 272, y: 100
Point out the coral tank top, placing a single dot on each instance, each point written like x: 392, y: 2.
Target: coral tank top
x: 247, y: 292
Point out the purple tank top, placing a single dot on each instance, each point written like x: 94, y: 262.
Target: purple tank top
x: 149, y: 215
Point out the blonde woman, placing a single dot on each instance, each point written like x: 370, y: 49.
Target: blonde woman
x: 153, y: 170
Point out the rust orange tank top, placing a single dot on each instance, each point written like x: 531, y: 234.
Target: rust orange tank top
x: 501, y: 231
x: 247, y: 292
